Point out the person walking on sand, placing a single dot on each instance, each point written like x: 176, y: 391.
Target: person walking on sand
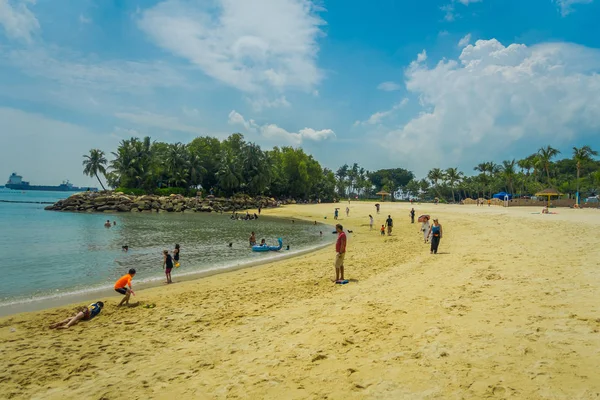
x: 382, y: 230
x: 167, y: 265
x: 425, y: 230
x: 389, y: 223
x: 123, y: 286
x: 83, y: 314
x: 340, y: 253
x: 412, y: 216
x: 377, y: 207
x: 436, y: 236
x: 347, y: 211
x: 176, y: 253
x: 371, y: 221
x: 336, y: 213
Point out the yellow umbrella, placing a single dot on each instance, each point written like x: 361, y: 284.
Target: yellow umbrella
x: 382, y: 194
x: 548, y: 193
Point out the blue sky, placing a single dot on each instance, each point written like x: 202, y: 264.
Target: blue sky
x: 413, y: 84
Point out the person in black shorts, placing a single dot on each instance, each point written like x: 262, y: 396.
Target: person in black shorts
x: 167, y: 265
x: 123, y: 286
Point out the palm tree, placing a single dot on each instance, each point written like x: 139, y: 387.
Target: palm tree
x: 582, y: 155
x: 95, y: 162
x: 453, y: 176
x: 546, y: 154
x: 508, y: 173
x: 436, y: 175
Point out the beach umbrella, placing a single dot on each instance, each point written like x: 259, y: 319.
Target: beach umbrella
x: 423, y: 218
x: 382, y: 194
x: 548, y: 193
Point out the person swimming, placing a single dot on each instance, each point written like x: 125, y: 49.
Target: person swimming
x: 107, y: 224
x: 252, y: 239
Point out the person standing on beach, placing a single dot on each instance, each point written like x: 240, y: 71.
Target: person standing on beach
x: 377, y: 207
x: 412, y: 216
x: 176, y: 254
x: 436, y: 235
x: 167, y: 265
x: 389, y: 223
x: 371, y: 221
x: 347, y: 211
x: 340, y: 253
x: 123, y: 286
x: 335, y: 214
x: 425, y: 229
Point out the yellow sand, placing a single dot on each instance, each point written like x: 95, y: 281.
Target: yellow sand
x: 508, y: 310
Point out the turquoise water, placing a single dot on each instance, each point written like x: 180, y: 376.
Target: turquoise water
x: 47, y: 254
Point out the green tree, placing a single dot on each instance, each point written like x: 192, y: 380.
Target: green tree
x: 453, y: 177
x: 93, y: 163
x: 546, y: 154
x: 582, y: 155
x: 508, y: 173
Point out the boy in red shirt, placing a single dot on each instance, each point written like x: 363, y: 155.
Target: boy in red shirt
x: 340, y: 252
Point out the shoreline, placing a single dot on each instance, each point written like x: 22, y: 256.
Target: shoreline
x: 507, y: 308
x: 71, y: 299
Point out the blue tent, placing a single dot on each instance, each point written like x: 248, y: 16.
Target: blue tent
x: 502, y: 196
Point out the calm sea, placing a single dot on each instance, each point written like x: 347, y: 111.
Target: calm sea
x: 48, y: 254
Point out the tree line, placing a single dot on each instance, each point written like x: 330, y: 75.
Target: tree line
x: 232, y: 166
x: 579, y: 173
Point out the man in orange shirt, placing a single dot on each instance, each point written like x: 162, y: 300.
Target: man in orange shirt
x: 123, y: 286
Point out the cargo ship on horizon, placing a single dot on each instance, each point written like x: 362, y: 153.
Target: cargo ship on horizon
x: 16, y: 182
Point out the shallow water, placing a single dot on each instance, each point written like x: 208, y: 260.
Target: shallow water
x: 49, y: 253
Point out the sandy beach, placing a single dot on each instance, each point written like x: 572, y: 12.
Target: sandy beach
x: 508, y: 309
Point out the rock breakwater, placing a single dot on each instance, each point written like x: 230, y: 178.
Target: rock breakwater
x: 111, y: 202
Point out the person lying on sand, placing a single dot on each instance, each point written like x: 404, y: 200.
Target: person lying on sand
x: 84, y: 313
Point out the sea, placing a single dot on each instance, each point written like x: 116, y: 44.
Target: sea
x: 50, y: 258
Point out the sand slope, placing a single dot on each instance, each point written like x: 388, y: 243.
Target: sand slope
x: 508, y: 310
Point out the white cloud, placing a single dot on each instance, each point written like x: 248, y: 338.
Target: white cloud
x: 260, y: 103
x: 236, y: 118
x: 73, y: 70
x: 389, y: 86
x: 165, y: 122
x: 464, y: 41
x: 245, y: 44
x: 276, y: 133
x: 449, y: 9
x: 84, y: 20
x: 494, y: 96
x: 566, y: 6
x: 422, y: 56
x: 17, y: 19
x: 377, y: 117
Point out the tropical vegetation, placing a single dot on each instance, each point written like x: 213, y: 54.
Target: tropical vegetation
x: 235, y: 166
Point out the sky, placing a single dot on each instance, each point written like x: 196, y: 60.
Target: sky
x: 386, y: 83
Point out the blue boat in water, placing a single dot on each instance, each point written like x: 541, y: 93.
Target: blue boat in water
x: 16, y: 182
x: 260, y: 248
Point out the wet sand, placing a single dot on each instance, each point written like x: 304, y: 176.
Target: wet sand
x: 508, y: 309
